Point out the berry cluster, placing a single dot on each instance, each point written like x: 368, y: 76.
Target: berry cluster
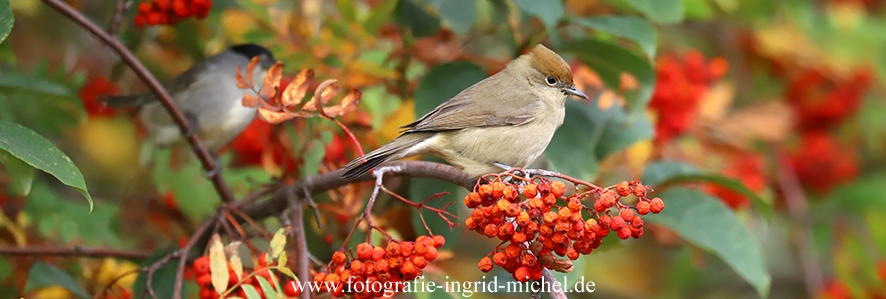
x: 536, y: 227
x: 204, y: 279
x: 678, y: 90
x: 169, y: 12
x: 91, y: 93
x: 376, y: 270
x: 822, y: 102
x: 822, y: 163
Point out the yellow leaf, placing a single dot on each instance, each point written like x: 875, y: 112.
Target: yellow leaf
x: 716, y: 101
x: 218, y: 266
x: 236, y: 264
x: 278, y: 243
x: 52, y: 292
x: 403, y: 115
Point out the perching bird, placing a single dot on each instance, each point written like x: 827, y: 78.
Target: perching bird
x: 207, y: 94
x: 505, y: 120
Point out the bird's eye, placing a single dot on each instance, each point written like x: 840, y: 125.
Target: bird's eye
x: 550, y: 80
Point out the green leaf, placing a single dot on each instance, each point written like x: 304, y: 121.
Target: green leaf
x: 443, y: 82
x: 664, y: 12
x: 415, y: 18
x: 15, y: 82
x: 589, y: 134
x: 705, y: 222
x: 610, y: 61
x: 675, y: 172
x: 21, y: 173
x: 6, y: 19
x: 548, y: 11
x: 379, y: 15
x: 635, y: 29
x: 460, y: 15
x: 861, y: 195
x: 163, y: 281
x: 44, y: 275
x: 266, y: 287
x: 278, y: 244
x: 38, y: 152
x: 250, y: 291
x: 195, y: 195
x: 313, y: 158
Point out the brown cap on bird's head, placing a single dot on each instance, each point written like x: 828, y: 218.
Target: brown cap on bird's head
x: 549, y: 63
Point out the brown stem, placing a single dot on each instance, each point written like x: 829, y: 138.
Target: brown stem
x: 76, y: 251
x: 183, y: 256
x: 117, y: 19
x: 301, y: 244
x: 139, y: 69
x: 798, y: 209
x: 555, y: 294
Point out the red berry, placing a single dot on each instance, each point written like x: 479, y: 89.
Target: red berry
x: 485, y: 264
x: 643, y: 207
x: 364, y: 251
x: 522, y: 274
x: 201, y: 265
x: 656, y: 205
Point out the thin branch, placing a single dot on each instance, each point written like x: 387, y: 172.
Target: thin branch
x: 798, y: 209
x: 76, y: 251
x: 183, y: 255
x: 209, y: 164
x: 555, y: 294
x: 117, y: 19
x: 301, y: 243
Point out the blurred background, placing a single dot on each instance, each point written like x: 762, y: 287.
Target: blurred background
x: 760, y: 124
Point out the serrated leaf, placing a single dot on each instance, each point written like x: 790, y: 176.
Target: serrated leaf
x: 610, y: 62
x: 250, y: 100
x: 250, y: 292
x: 295, y: 91
x: 274, y: 117
x: 44, y: 275
x: 705, y: 222
x: 250, y: 72
x: 218, y: 265
x: 21, y: 173
x: 664, y: 12
x: 324, y: 92
x: 278, y: 243
x: 7, y: 20
x: 36, y: 151
x: 348, y: 104
x: 239, y: 77
x: 548, y: 11
x: 635, y: 29
x: 272, y: 81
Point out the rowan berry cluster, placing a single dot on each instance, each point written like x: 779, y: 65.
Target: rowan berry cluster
x: 204, y: 279
x: 169, y: 12
x: 680, y: 84
x: 375, y: 271
x: 822, y: 100
x: 544, y: 222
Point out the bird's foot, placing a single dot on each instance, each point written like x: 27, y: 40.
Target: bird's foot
x: 513, y: 170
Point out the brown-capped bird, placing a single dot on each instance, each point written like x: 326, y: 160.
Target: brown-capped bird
x: 506, y: 120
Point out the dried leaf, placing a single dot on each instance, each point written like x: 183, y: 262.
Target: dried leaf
x: 324, y: 92
x: 770, y: 122
x: 273, y: 117
x: 250, y: 100
x: 272, y: 80
x: 716, y: 101
x: 295, y: 92
x: 250, y: 68
x: 218, y: 266
x: 240, y: 82
x: 348, y: 104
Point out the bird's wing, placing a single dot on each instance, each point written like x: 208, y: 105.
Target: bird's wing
x: 463, y: 111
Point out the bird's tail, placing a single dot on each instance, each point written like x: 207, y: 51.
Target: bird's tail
x: 395, y: 149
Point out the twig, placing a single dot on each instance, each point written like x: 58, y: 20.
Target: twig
x: 209, y: 164
x: 301, y: 243
x: 183, y: 256
x: 117, y: 19
x: 799, y: 210
x: 76, y: 251
x: 555, y: 294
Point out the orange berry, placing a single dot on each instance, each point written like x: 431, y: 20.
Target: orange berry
x: 523, y: 218
x: 406, y: 249
x: 485, y: 264
x: 637, y: 223
x: 472, y: 200
x: 564, y: 213
x: 558, y: 188
x: 528, y: 260
x: 485, y: 190
x: 624, y: 233
x: 364, y: 251
x: 378, y: 253
x: 656, y: 205
x: 571, y: 253
x: 502, y: 204
x: 500, y: 258
x: 432, y: 254
x: 616, y: 223
x: 393, y: 249
x: 204, y: 280
x: 627, y: 214
x: 439, y: 241
x: 490, y: 230
x: 623, y: 189
x: 519, y: 237
x: 522, y: 274
x: 550, y: 217
x: 574, y: 204
x: 513, y: 251
x: 357, y: 267
x: 339, y: 258
x: 643, y: 207
x: 510, y: 194
x: 498, y: 189
x: 640, y: 191
x: 530, y: 191
x: 549, y: 200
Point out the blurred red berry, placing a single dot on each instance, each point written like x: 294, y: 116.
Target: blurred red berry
x: 749, y: 169
x: 91, y: 93
x: 821, y: 163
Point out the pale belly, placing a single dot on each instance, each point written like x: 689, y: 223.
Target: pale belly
x: 516, y: 146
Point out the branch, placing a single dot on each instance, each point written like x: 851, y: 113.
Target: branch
x: 117, y: 19
x: 320, y: 183
x: 139, y: 69
x: 798, y: 209
x: 76, y: 251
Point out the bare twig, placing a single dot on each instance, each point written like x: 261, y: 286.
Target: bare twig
x: 301, y: 243
x: 76, y: 251
x: 209, y: 164
x: 555, y: 293
x: 183, y: 256
x: 117, y: 19
x: 798, y: 209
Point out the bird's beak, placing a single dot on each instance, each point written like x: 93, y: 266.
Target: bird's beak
x: 575, y: 92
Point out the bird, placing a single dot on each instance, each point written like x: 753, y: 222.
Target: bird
x: 207, y: 94
x: 504, y: 121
